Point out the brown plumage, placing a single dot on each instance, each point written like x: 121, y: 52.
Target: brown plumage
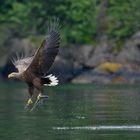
x: 32, y: 70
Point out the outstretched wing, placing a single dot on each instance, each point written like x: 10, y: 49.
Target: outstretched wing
x: 22, y: 63
x: 46, y: 53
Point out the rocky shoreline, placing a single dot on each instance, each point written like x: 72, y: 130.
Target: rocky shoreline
x: 88, y: 64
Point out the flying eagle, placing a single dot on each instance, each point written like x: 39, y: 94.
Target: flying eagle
x: 33, y: 70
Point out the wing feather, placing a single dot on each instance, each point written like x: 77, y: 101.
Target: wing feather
x: 46, y: 53
x: 22, y: 63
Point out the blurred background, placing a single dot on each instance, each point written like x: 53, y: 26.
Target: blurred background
x: 100, y: 44
x: 100, y: 39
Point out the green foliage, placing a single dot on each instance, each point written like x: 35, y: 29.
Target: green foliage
x: 122, y: 20
x: 26, y: 18
x: 30, y: 17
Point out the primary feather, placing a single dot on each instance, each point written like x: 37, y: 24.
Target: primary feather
x: 45, y: 55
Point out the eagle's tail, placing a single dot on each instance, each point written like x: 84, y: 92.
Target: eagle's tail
x: 50, y: 80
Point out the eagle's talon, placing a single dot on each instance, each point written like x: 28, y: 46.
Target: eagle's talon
x: 44, y: 96
x: 29, y: 102
x: 40, y: 96
x: 39, y: 101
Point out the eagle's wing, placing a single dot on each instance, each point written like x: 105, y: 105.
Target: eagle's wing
x: 22, y: 63
x: 46, y: 53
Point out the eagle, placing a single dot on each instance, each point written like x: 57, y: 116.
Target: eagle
x: 33, y: 69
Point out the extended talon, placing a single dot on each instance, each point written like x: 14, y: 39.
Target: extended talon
x: 29, y: 102
x: 44, y: 97
x: 39, y: 97
x: 40, y: 100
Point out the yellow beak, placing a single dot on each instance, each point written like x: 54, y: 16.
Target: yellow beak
x: 10, y: 75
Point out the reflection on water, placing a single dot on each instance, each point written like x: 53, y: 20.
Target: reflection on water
x: 73, y: 112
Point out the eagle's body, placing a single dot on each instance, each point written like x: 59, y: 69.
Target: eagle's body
x: 33, y: 70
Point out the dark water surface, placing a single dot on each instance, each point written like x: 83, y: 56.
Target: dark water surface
x: 72, y: 112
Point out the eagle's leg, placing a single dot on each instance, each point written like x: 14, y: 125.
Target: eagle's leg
x: 36, y: 102
x: 31, y: 91
x: 40, y: 99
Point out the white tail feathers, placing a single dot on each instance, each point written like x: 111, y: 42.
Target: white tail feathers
x: 53, y: 80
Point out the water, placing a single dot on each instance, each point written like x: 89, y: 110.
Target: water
x: 73, y: 112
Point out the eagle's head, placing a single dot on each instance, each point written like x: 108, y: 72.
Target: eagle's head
x: 14, y: 75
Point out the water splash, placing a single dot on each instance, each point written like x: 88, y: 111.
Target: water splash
x: 104, y: 127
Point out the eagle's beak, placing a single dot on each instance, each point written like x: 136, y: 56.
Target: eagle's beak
x: 10, y: 75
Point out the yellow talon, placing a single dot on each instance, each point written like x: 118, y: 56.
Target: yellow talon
x: 38, y: 97
x: 29, y: 101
